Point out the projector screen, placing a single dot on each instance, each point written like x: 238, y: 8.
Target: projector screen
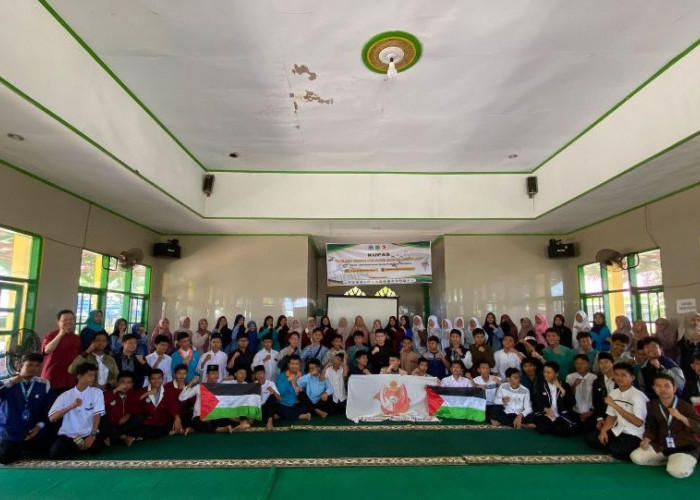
x: 370, y: 308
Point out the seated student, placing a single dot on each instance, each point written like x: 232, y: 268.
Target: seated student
x: 336, y: 342
x: 671, y: 432
x: 602, y: 386
x: 186, y: 355
x: 422, y: 368
x: 457, y: 352
x: 619, y: 348
x: 129, y: 361
x: 514, y: 406
x: 361, y: 364
x: 316, y: 392
x: 436, y: 358
x: 315, y: 350
x: 581, y: 382
x: 289, y: 407
x: 80, y: 410
x: 394, y: 367
x: 292, y: 347
x: 358, y: 339
x: 159, y: 360
x: 691, y: 391
x: 623, y: 429
x: 269, y: 395
x: 267, y: 357
x: 561, y: 355
x: 192, y: 390
x: 480, y: 351
x: 490, y: 385
x: 158, y: 409
x: 242, y: 355
x: 409, y: 357
x: 173, y: 390
x: 553, y: 402
x: 585, y: 346
x: 215, y: 356
x: 530, y: 370
x: 25, y: 400
x: 456, y: 379
x: 379, y: 355
x: 240, y: 376
x: 507, y: 357
x: 656, y: 364
x: 95, y: 354
x: 122, y: 405
x: 336, y: 374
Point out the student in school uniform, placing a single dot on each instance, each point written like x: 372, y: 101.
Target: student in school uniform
x: 422, y: 368
x: 159, y: 360
x: 95, y: 354
x: 242, y: 355
x: 290, y: 407
x: 585, y: 346
x: 671, y: 431
x: 480, y: 351
x: 267, y: 357
x: 361, y: 364
x: 121, y: 421
x: 456, y: 378
x: 655, y: 364
x: 553, y: 402
x: 490, y: 385
x: 515, y: 407
x: 159, y: 410
x: 358, y: 339
x: 394, y: 366
x: 129, y: 361
x: 623, y: 428
x: 337, y: 374
x: 581, y: 382
x: 316, y: 394
x: 379, y: 355
x: 193, y: 390
x: 25, y: 400
x: 293, y: 347
x: 269, y: 394
x: 336, y: 343
x: 315, y: 350
x: 560, y: 354
x: 409, y: 357
x: 507, y: 357
x: 174, y: 388
x: 437, y: 362
x: 79, y: 410
x: 215, y: 356
x: 456, y: 351
x: 691, y: 391
x: 186, y: 355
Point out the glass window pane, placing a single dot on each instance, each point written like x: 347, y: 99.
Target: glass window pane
x: 15, y: 254
x: 593, y: 283
x: 649, y: 269
x: 91, y: 270
x: 136, y: 310
x: 114, y: 310
x: 86, y: 303
x: 618, y: 279
x: 117, y: 281
x: 138, y: 280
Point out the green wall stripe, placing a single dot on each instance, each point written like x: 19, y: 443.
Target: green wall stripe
x: 119, y: 82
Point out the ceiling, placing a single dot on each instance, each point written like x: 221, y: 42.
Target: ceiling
x: 151, y: 94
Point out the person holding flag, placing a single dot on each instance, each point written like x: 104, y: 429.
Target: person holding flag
x: 193, y: 389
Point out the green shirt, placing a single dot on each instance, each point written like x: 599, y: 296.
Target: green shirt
x: 565, y: 359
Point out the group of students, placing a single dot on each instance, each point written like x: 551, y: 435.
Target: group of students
x: 624, y: 391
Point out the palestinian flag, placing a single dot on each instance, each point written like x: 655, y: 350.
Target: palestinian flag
x: 465, y: 403
x: 230, y: 401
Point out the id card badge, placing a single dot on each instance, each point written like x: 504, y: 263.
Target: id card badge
x: 670, y: 443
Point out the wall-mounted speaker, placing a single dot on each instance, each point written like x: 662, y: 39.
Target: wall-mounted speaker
x: 532, y: 186
x: 208, y: 186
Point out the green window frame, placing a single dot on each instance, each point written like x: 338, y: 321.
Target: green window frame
x: 638, y: 294
x: 20, y: 264
x: 118, y: 293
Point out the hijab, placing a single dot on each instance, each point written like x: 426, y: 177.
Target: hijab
x: 668, y: 337
x: 526, y: 330
x: 463, y: 330
x: 598, y: 327
x: 342, y: 329
x: 115, y: 331
x: 92, y: 324
x: 181, y: 326
x: 489, y: 327
x: 420, y: 338
x: 446, y: 326
x: 541, y: 328
x: 295, y: 325
x: 437, y: 331
x: 687, y: 331
x: 508, y: 327
x: 581, y: 326
x: 200, y: 338
x: 310, y: 329
x: 470, y: 331
x: 160, y: 329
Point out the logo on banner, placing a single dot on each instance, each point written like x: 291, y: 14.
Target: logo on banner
x: 394, y: 399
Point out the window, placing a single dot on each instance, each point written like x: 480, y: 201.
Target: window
x: 636, y: 292
x: 19, y: 272
x: 119, y: 293
x: 385, y: 291
x: 355, y: 292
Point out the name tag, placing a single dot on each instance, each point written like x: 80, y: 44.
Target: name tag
x: 670, y: 443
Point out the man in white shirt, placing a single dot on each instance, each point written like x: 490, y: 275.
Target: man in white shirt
x: 581, y: 382
x: 517, y: 408
x: 80, y: 408
x: 507, y: 357
x: 489, y: 383
x: 215, y: 356
x: 193, y: 390
x: 456, y: 379
x: 269, y: 395
x: 623, y: 428
x: 267, y: 357
x: 159, y: 360
x: 336, y: 374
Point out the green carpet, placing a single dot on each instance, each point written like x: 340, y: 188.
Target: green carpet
x: 618, y: 480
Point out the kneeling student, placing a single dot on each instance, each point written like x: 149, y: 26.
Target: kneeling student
x: 517, y: 409
x: 676, y: 443
x: 193, y: 389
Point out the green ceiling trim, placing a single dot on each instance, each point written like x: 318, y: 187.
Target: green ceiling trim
x: 119, y: 82
x: 409, y: 38
x: 367, y: 172
x: 94, y: 55
x: 75, y: 195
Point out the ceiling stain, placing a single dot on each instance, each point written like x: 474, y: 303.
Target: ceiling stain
x: 314, y: 97
x: 303, y: 69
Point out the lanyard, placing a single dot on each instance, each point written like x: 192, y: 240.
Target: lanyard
x: 27, y: 392
x: 668, y: 418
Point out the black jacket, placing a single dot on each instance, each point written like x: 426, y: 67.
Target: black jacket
x: 541, y: 398
x: 600, y: 392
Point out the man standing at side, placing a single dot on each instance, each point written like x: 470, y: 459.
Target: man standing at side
x: 60, y: 348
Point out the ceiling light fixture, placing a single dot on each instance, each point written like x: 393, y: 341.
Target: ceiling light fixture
x: 391, y: 52
x: 233, y: 155
x: 15, y: 137
x: 391, y: 56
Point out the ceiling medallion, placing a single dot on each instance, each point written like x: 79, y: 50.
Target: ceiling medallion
x: 399, y: 47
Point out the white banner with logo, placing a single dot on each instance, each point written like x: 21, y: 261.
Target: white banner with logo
x: 378, y: 263
x: 388, y: 397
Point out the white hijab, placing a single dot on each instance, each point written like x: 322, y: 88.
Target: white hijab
x: 686, y: 330
x: 463, y: 331
x: 579, y: 326
x: 470, y: 331
x: 437, y: 331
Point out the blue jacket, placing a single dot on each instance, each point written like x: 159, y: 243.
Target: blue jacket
x: 191, y: 366
x: 286, y: 390
x: 599, y: 343
x: 314, y: 387
x: 12, y: 404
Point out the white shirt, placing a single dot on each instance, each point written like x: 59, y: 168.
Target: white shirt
x: 518, y: 399
x: 215, y: 358
x: 633, y: 401
x: 78, y: 421
x: 609, y: 384
x: 490, y: 387
x: 102, y: 370
x: 505, y: 360
x: 337, y: 381
x: 270, y: 365
x: 164, y: 365
x: 583, y: 391
x: 265, y: 393
x: 451, y: 381
x: 554, y: 396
